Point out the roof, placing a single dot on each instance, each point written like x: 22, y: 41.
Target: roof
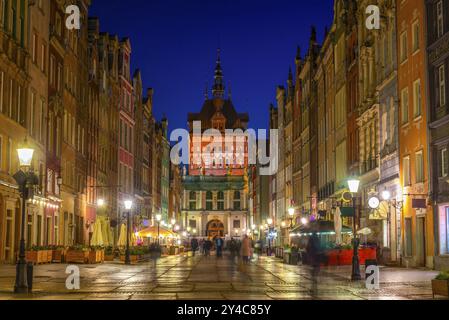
x: 227, y: 109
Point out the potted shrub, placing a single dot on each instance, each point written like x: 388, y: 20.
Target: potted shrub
x: 135, y: 254
x: 440, y: 285
x: 96, y: 255
x: 38, y: 255
x: 108, y: 254
x: 77, y: 254
x: 58, y: 254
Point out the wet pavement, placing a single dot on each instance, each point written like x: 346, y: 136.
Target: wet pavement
x: 208, y: 278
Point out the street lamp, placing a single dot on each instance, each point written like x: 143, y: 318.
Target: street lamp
x: 100, y: 203
x: 386, y: 195
x: 304, y: 221
x: 128, y: 206
x: 353, y: 185
x: 25, y: 179
x: 158, y: 220
x: 291, y: 213
x: 173, y: 221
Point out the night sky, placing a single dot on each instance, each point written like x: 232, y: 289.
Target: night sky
x: 174, y: 44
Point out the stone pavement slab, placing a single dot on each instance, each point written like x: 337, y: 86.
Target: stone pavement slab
x: 199, y: 278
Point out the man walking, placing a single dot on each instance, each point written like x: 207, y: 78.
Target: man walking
x: 219, y: 245
x: 194, y: 245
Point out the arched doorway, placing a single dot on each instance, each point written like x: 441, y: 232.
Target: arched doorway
x: 215, y: 228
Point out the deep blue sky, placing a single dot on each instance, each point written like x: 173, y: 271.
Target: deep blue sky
x: 174, y: 45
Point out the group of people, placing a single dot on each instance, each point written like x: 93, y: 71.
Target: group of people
x: 236, y: 248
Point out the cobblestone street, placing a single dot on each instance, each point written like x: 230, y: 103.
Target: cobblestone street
x: 201, y: 278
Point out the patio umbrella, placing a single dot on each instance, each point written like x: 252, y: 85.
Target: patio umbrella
x: 110, y: 236
x: 338, y: 225
x: 97, y: 237
x: 105, y: 232
x: 122, y: 237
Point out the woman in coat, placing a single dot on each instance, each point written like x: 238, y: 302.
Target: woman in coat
x: 246, y: 249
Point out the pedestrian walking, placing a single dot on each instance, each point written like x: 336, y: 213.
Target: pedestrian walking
x: 207, y: 247
x: 246, y: 249
x: 314, y: 258
x: 219, y: 245
x: 194, y: 245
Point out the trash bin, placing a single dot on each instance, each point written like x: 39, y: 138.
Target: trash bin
x: 30, y: 276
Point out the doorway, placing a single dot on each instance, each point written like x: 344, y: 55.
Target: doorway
x: 421, y: 241
x: 215, y: 228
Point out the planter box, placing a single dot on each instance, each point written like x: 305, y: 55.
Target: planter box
x: 58, y: 256
x: 37, y: 257
x: 440, y: 288
x: 49, y: 256
x: 133, y: 258
x: 77, y: 256
x: 343, y: 257
x: 96, y: 256
x: 108, y: 257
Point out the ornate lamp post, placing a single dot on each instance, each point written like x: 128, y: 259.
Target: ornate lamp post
x: 269, y: 222
x: 128, y: 207
x: 25, y: 179
x: 353, y: 185
x: 158, y: 220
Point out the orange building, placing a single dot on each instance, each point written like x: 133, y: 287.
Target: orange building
x: 417, y: 218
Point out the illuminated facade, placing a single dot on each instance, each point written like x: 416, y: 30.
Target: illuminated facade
x: 215, y: 191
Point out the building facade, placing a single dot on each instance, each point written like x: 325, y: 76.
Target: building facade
x: 417, y: 216
x: 437, y: 115
x: 215, y: 188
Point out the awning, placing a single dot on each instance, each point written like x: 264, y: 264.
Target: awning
x: 152, y: 232
x: 322, y: 227
x: 347, y: 211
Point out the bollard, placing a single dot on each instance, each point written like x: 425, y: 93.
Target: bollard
x: 30, y: 276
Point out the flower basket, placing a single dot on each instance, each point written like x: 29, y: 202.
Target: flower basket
x: 77, y: 256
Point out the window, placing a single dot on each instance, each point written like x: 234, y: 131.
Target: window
x: 406, y: 170
x: 192, y: 200
x: 32, y: 113
x: 237, y: 200
x: 220, y: 200
x: 442, y: 85
x: 444, y: 163
x: 419, y: 167
x: 403, y: 47
x: 34, y: 49
x: 440, y: 19
x: 408, y: 237
x: 43, y: 55
x: 52, y: 70
x: 417, y: 98
x: 404, y: 105
x: 415, y: 30
x: 209, y: 202
x: 192, y: 223
x: 2, y: 87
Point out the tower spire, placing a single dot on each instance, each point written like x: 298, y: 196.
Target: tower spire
x: 218, y: 88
